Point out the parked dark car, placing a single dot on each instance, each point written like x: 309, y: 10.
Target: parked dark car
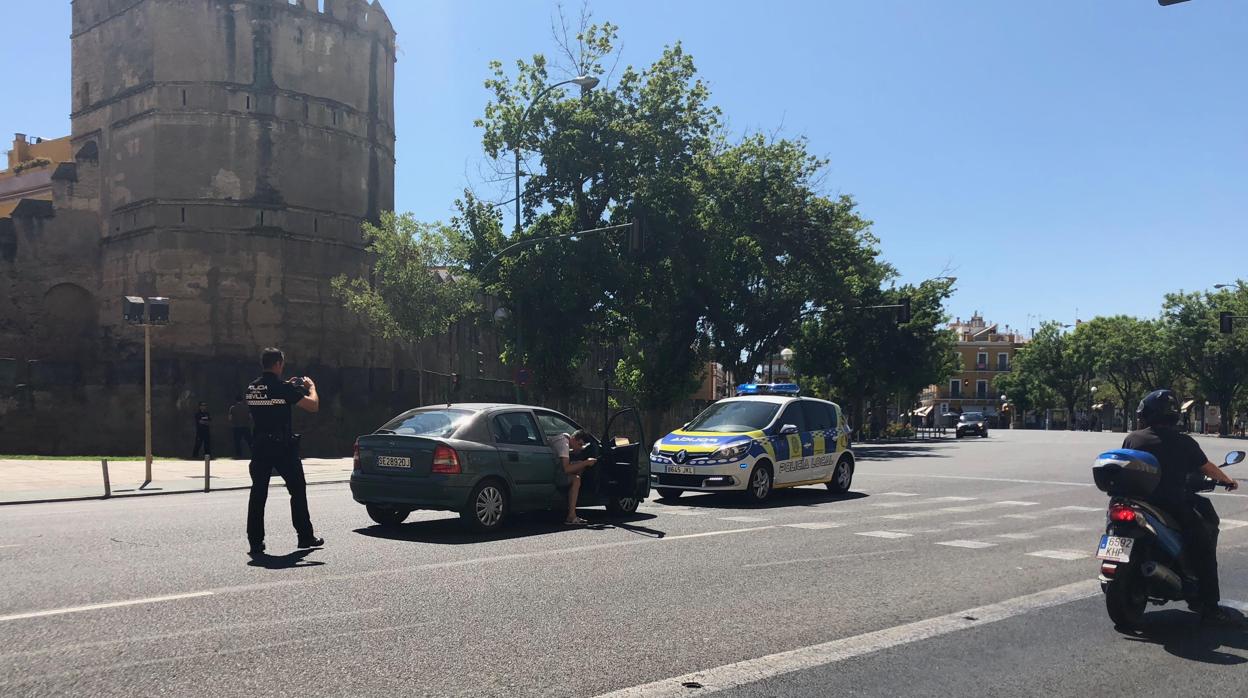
x: 972, y: 423
x: 487, y: 461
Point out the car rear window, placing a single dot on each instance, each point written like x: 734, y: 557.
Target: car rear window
x: 439, y: 423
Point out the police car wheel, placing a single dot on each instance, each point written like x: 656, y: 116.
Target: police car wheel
x: 385, y: 515
x: 759, y: 486
x: 842, y: 477
x: 669, y: 493
x: 487, y: 507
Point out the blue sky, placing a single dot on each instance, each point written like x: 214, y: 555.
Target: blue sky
x: 1059, y: 156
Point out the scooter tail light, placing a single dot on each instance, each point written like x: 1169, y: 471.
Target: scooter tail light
x: 1108, y: 569
x: 1122, y: 513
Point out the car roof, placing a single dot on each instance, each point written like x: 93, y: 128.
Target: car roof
x: 482, y: 406
x: 776, y: 399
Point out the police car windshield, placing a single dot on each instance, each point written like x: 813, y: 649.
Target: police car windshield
x: 735, y: 417
x: 436, y: 423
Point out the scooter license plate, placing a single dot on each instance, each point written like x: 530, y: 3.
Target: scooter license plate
x: 1115, y: 548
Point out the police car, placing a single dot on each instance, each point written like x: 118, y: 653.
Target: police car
x: 767, y: 437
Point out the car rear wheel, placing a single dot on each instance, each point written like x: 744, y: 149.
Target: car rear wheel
x: 842, y: 477
x: 487, y: 508
x: 387, y: 516
x: 759, y: 487
x: 622, y: 506
x: 669, y: 493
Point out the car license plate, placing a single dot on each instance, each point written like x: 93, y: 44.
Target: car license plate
x: 680, y: 470
x: 1115, y: 549
x: 394, y: 461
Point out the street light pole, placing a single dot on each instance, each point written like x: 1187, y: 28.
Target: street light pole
x: 147, y: 403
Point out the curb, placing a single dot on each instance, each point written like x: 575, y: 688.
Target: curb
x: 102, y: 498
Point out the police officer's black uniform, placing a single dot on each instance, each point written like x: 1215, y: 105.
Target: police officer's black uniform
x: 276, y: 447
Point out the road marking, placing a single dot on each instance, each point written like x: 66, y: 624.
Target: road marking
x: 1071, y: 527
x: 762, y: 668
x: 18, y: 545
x: 1017, y: 536
x: 869, y: 553
x: 987, y: 479
x: 1225, y: 525
x: 899, y: 494
x: 716, y: 533
x: 883, y: 534
x: 977, y: 522
x: 890, y: 505
x: 686, y: 513
x: 961, y: 510
x: 1015, y: 503
x: 901, y: 517
x: 1020, y: 516
x: 1077, y: 508
x: 953, y: 499
x: 814, y: 525
x: 744, y: 519
x: 973, y: 544
x: 1060, y: 554
x: 97, y: 606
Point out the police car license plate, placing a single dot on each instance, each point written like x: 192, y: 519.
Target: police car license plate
x: 1115, y: 549
x: 394, y: 461
x: 680, y: 470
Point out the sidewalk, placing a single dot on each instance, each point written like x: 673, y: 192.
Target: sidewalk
x: 55, y: 480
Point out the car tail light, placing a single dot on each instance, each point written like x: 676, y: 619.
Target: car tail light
x: 356, y: 464
x: 445, y: 460
x: 1122, y: 513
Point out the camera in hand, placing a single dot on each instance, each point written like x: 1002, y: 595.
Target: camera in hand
x: 299, y: 382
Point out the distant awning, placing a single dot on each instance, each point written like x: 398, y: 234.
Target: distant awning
x: 1188, y: 405
x: 924, y: 411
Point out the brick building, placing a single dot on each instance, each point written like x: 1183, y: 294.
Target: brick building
x: 985, y: 351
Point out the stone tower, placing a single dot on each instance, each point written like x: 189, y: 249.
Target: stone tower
x: 241, y: 144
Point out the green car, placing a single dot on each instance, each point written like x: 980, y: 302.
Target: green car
x: 488, y: 461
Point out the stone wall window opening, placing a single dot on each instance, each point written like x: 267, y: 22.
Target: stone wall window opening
x: 262, y: 218
x: 184, y: 98
x: 183, y: 214
x: 305, y: 111
x: 248, y: 102
x: 333, y: 115
x: 316, y: 225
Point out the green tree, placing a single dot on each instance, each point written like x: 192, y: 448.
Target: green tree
x: 1026, y: 392
x: 1062, y: 362
x: 1216, y: 362
x: 1129, y: 355
x: 418, y: 287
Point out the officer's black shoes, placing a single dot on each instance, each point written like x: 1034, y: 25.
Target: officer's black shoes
x: 312, y: 542
x: 1222, y: 616
x: 256, y: 549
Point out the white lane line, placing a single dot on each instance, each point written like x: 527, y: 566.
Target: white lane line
x: 986, y: 479
x: 890, y: 505
x: 901, y: 517
x: 1060, y: 554
x: 18, y: 545
x: 97, y: 606
x: 716, y: 533
x: 953, y: 499
x: 814, y: 526
x: 869, y: 553
x: 686, y: 513
x: 883, y: 534
x: 1071, y: 527
x: 1016, y: 503
x: 977, y: 522
x: 1020, y: 516
x: 1017, y: 536
x: 1077, y: 508
x: 744, y: 519
x: 762, y: 668
x: 973, y: 544
x: 1225, y: 525
x: 899, y: 494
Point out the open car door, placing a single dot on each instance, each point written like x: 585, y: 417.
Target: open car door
x: 624, y: 484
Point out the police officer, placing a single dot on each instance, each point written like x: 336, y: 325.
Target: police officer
x: 275, y: 446
x: 1180, y: 456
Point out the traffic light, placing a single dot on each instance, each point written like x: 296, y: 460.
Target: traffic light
x: 480, y: 363
x: 903, y: 311
x: 636, y: 238
x: 1227, y: 322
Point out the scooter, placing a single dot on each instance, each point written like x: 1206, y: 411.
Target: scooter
x: 1141, y: 553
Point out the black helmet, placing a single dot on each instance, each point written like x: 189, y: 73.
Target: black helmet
x: 1159, y: 408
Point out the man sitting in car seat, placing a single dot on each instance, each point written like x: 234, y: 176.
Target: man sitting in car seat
x: 567, y: 447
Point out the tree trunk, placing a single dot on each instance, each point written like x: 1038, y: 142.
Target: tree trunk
x: 1224, y: 409
x: 1070, y: 413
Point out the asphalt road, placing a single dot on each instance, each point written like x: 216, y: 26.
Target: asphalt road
x: 954, y: 568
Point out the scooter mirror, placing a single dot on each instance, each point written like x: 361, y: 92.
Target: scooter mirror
x: 1234, y: 457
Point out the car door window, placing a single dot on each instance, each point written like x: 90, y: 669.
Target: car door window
x: 793, y: 415
x: 515, y: 428
x: 553, y: 424
x: 818, y: 416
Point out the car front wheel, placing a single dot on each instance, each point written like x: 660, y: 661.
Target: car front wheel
x: 759, y: 487
x: 623, y: 506
x: 842, y: 477
x: 487, y: 508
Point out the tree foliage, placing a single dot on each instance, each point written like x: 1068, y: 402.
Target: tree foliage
x: 1216, y: 362
x: 1062, y: 362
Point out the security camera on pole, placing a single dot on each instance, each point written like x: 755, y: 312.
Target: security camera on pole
x: 146, y: 312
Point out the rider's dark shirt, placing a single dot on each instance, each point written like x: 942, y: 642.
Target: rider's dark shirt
x: 1179, y: 456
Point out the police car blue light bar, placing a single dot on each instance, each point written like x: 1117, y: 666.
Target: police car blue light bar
x: 768, y: 389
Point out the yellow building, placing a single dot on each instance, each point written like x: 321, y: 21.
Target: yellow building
x: 985, y: 351
x: 32, y: 161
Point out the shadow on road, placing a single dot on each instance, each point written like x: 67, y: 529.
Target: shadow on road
x: 795, y: 497
x: 890, y: 451
x: 1183, y: 635
x: 284, y: 562
x: 451, y: 531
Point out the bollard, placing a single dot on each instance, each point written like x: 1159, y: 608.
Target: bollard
x: 207, y: 472
x: 108, y: 487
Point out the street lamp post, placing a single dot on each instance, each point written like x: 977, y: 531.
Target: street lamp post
x: 586, y: 83
x: 146, y: 312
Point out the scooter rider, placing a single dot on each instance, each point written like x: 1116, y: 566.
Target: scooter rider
x: 1180, y: 456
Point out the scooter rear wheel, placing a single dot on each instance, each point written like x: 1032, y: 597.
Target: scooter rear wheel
x: 1125, y: 600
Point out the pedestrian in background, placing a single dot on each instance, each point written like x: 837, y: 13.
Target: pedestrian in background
x: 275, y: 446
x: 203, y: 431
x: 240, y: 423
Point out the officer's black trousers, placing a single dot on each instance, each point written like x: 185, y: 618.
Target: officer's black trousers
x: 242, y: 435
x: 265, y: 459
x: 203, y: 439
